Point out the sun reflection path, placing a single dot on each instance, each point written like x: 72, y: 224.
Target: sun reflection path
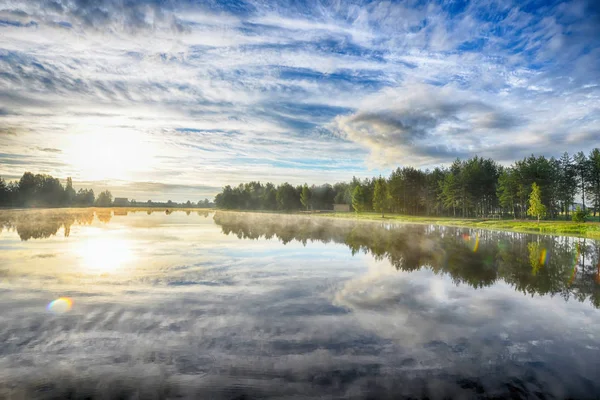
x: 104, y: 255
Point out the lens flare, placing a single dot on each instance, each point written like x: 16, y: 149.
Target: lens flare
x: 471, y: 242
x: 573, y: 274
x: 577, y: 253
x: 543, y: 257
x: 60, y: 305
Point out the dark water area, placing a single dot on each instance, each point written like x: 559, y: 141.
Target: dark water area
x: 153, y: 305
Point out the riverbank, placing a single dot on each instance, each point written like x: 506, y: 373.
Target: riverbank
x: 565, y: 228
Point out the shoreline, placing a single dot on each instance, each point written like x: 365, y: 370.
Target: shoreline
x: 590, y: 230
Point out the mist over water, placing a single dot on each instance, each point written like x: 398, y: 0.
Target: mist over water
x: 227, y: 305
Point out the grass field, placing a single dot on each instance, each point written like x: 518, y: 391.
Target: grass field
x: 568, y: 228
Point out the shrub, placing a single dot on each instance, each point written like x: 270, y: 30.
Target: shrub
x: 580, y: 215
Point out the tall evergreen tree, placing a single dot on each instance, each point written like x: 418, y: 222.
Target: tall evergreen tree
x: 567, y: 183
x: 594, y: 178
x: 582, y: 168
x: 4, y: 193
x: 381, y: 196
x: 508, y: 190
x: 305, y: 196
x: 358, y: 199
x: 69, y: 192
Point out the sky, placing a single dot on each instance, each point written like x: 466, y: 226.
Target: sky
x: 167, y: 99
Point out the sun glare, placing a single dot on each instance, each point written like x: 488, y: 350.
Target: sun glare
x: 105, y: 255
x: 116, y: 155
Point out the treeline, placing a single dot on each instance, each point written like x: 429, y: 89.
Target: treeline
x: 171, y: 204
x: 476, y: 187
x: 43, y: 190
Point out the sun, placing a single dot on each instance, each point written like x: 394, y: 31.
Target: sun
x: 108, y: 155
x: 105, y: 255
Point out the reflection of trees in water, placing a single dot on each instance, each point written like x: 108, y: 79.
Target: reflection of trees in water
x: 104, y: 216
x: 43, y: 224
x: 531, y: 264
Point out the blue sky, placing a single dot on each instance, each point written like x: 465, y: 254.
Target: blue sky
x: 173, y: 99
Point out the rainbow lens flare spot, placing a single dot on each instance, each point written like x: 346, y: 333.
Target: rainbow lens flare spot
x: 543, y: 257
x: 472, y: 242
x: 573, y: 275
x: 60, y: 305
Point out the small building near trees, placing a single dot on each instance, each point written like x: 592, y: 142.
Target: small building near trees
x: 341, y: 208
x: 121, y: 202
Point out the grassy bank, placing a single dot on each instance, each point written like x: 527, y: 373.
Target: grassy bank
x: 568, y: 228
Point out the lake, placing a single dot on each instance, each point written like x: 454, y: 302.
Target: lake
x: 240, y: 305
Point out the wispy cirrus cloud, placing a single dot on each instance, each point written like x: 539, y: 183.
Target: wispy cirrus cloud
x: 215, y: 93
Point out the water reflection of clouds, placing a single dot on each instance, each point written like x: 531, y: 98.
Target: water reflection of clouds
x: 203, y: 314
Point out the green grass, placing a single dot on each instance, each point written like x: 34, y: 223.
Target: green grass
x: 567, y: 228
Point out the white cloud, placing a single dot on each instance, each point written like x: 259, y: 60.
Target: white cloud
x: 268, y: 82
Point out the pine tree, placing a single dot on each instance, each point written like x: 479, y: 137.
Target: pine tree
x: 381, y: 196
x: 507, y: 190
x: 567, y: 183
x: 582, y: 168
x: 305, y: 196
x: 358, y: 199
x: 594, y: 178
x: 69, y: 192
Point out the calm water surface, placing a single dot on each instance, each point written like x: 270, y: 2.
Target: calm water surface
x: 226, y: 305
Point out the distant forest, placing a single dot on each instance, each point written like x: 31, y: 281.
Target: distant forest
x: 473, y: 188
x: 42, y: 190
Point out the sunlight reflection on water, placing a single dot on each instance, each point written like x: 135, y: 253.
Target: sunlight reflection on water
x: 224, y: 305
x: 104, y: 254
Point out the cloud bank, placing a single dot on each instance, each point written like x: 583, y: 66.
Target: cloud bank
x: 215, y: 93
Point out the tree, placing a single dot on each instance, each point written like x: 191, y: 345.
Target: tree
x: 567, y: 183
x: 579, y: 215
x: 85, y: 197
x: 582, y: 168
x: 26, y: 188
x: 358, y: 199
x: 536, y: 208
x: 449, y: 192
x: 104, y: 199
x: 343, y: 193
x: 593, y: 189
x: 269, y: 197
x: 4, y: 193
x: 69, y: 192
x: 381, y: 196
x: 287, y: 197
x: 305, y: 196
x: 508, y: 190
